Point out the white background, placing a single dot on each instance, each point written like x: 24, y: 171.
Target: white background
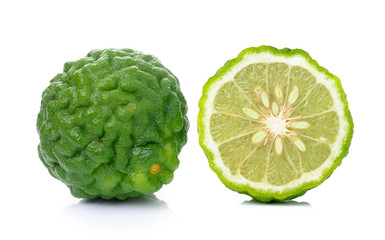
x: 193, y: 39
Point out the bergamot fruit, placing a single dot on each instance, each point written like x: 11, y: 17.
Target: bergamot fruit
x: 273, y: 123
x: 112, y: 125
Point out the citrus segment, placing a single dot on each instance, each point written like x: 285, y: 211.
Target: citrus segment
x: 232, y: 159
x: 323, y: 127
x: 317, y: 100
x: 253, y: 167
x: 280, y: 170
x: 277, y: 81
x: 314, y: 154
x: 294, y: 156
x: 224, y: 127
x: 248, y: 78
x: 230, y: 100
x: 299, y: 76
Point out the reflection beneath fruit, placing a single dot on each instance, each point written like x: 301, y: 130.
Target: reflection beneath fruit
x: 144, y: 201
x: 134, y: 214
x: 289, y: 203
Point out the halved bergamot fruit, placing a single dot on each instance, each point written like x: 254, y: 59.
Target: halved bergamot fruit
x: 273, y: 123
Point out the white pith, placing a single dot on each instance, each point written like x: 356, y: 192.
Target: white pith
x: 296, y: 60
x: 276, y: 125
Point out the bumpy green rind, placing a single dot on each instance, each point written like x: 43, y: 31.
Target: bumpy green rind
x: 106, y: 119
x: 261, y: 194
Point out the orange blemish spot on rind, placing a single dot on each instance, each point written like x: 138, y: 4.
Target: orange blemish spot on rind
x: 155, y: 168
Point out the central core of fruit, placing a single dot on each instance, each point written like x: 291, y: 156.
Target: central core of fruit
x: 275, y: 112
x: 276, y: 125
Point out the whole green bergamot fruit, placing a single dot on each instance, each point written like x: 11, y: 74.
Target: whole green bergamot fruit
x: 112, y: 125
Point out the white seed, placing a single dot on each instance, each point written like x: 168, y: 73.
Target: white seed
x: 300, y: 145
x: 300, y: 124
x: 274, y: 107
x: 265, y: 99
x: 259, y: 136
x: 278, y: 92
x: 251, y: 113
x: 278, y: 145
x: 293, y: 95
x: 323, y: 139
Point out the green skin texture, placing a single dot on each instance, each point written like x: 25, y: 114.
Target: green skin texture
x: 269, y: 195
x: 106, y: 119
